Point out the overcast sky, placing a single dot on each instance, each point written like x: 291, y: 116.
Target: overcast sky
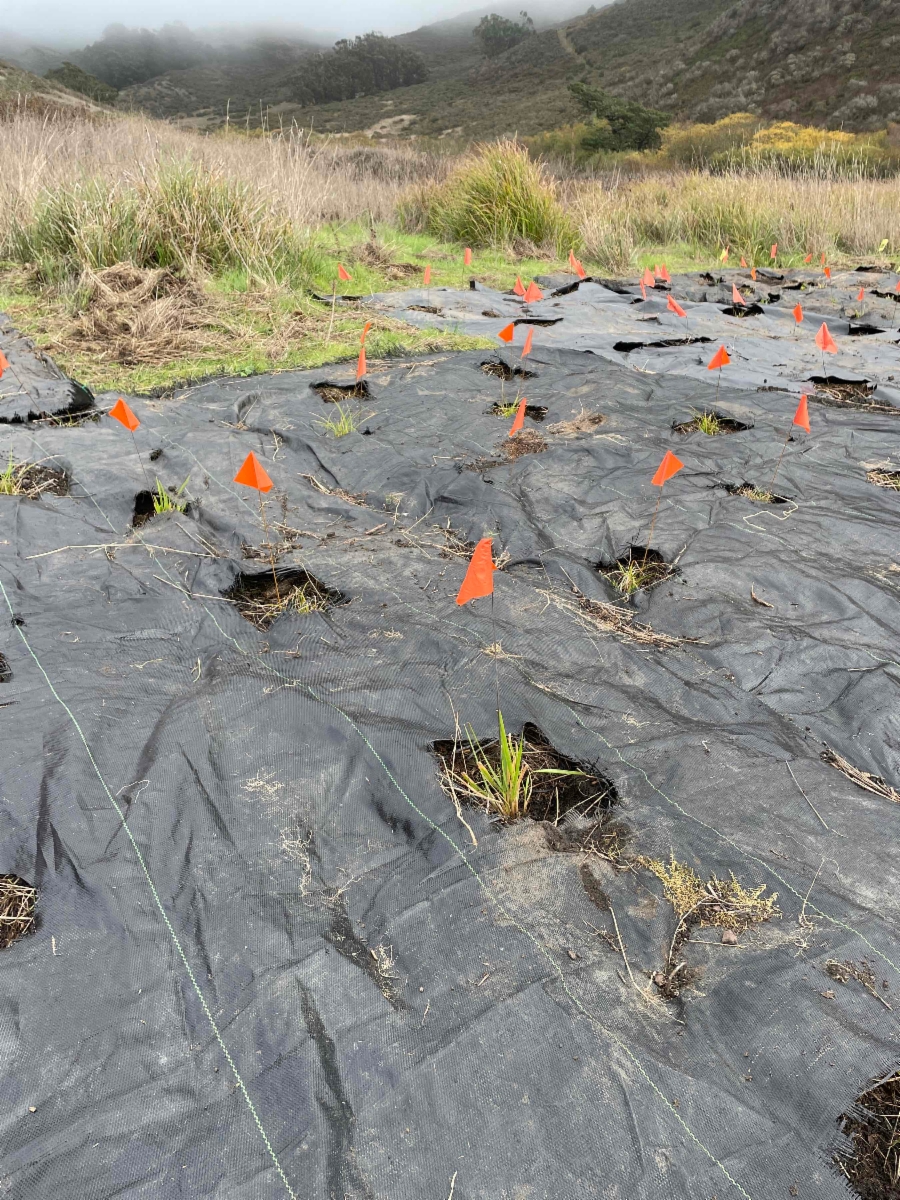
x: 80, y: 21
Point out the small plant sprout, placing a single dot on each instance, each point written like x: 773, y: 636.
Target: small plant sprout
x: 503, y: 784
x: 11, y: 478
x: 628, y: 578
x: 165, y: 502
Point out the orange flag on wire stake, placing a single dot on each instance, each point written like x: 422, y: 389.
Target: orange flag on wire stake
x: 808, y: 258
x: 526, y: 349
x: 737, y: 298
x: 753, y: 274
x: 801, y: 416
x: 828, y: 272
x: 252, y: 474
x: 361, y: 365
x: 520, y: 417
x: 426, y: 278
x: 4, y: 363
x: 861, y: 294
x: 825, y: 341
x: 719, y: 359
x: 723, y: 257
x: 343, y: 273
x: 822, y: 258
x: 366, y: 328
x: 647, y: 278
x: 743, y: 261
x: 579, y: 269
x: 643, y: 290
x: 467, y: 257
x: 479, y: 578
x: 572, y: 259
x: 774, y: 251
x: 669, y: 466
x: 673, y: 306
x: 664, y: 274
x: 507, y: 333
x: 798, y: 313
x: 122, y: 413
x: 519, y: 287
x: 533, y: 293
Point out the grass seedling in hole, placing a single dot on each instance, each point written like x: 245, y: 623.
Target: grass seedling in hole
x: 630, y: 577
x: 507, y: 410
x: 345, y: 422
x: 164, y: 501
x: 504, y: 787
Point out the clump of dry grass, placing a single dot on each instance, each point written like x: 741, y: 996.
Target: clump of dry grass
x: 17, y: 902
x: 872, y: 1162
x: 722, y: 902
x: 885, y: 479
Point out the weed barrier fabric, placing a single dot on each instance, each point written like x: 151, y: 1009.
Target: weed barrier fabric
x: 767, y: 348
x: 271, y: 961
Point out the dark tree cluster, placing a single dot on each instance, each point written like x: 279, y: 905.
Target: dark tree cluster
x: 496, y: 33
x: 619, y: 124
x: 77, y: 80
x: 126, y: 56
x: 367, y: 64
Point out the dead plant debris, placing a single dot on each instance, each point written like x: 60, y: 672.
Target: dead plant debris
x: 585, y: 422
x: 885, y: 479
x: 335, y: 393
x: 751, y: 492
x: 724, y: 903
x: 843, y: 393
x: 871, y: 1162
x: 17, y: 903
x: 32, y: 480
x: 863, y: 779
x: 502, y: 370
x: 862, y: 972
x: 299, y: 593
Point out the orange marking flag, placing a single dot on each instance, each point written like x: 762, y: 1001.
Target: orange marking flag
x: 719, y: 359
x: 122, y: 413
x: 343, y: 273
x: 526, y: 349
x: 467, y: 257
x: 572, y: 259
x: 507, y: 333
x: 774, y: 250
x: 361, y: 365
x: 579, y: 270
x: 643, y: 290
x: 825, y: 341
x: 673, y: 306
x: 801, y: 416
x: 533, y: 293
x: 822, y: 258
x: 519, y: 287
x: 861, y: 294
x: 743, y: 261
x: 366, y: 328
x: 479, y: 579
x: 426, y: 278
x: 664, y: 274
x: 798, y: 313
x: 647, y: 278
x: 669, y: 466
x: 724, y: 255
x: 737, y: 298
x: 520, y: 417
x: 828, y: 272
x: 808, y: 258
x: 4, y: 363
x: 252, y: 474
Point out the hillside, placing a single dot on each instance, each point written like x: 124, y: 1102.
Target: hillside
x: 23, y: 88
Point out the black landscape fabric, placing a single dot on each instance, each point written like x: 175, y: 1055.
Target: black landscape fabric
x: 271, y: 958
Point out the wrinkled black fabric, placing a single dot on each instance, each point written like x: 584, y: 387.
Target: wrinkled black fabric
x: 282, y: 794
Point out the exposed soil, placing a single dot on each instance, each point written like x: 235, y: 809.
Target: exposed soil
x: 428, y: 308
x: 376, y: 963
x: 652, y: 568
x: 585, y: 796
x: 32, y: 480
x: 885, y: 479
x: 536, y: 412
x: 17, y: 902
x: 841, y: 393
x: 725, y: 424
x: 743, y: 310
x: 863, y: 329
x: 334, y: 393
x: 662, y: 344
x: 750, y: 492
x: 871, y: 1164
x: 143, y: 509
x: 526, y: 441
x: 298, y: 593
x: 541, y: 322
x: 502, y: 370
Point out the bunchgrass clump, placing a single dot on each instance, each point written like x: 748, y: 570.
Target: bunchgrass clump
x: 708, y: 423
x: 346, y: 421
x: 885, y: 479
x: 498, y: 197
x: 11, y: 478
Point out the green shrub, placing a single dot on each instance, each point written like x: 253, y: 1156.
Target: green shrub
x: 497, y: 197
